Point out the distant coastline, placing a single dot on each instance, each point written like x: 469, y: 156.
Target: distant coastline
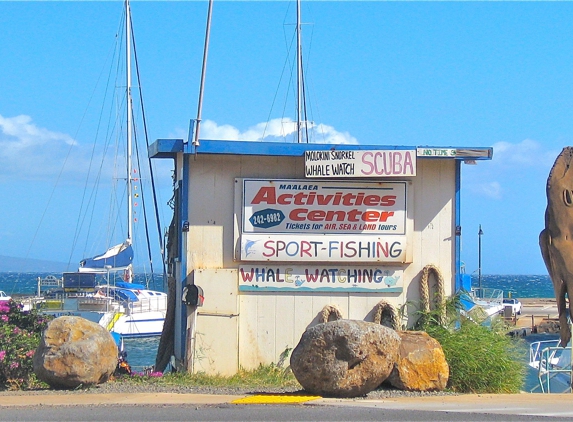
x: 26, y: 265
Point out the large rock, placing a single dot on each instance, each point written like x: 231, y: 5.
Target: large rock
x: 74, y: 351
x: 421, y: 365
x: 344, y: 358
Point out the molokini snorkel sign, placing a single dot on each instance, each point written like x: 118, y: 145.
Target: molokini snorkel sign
x: 358, y: 163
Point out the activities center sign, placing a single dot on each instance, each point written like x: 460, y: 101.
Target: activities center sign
x: 297, y: 220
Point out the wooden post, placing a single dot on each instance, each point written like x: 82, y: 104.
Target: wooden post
x: 532, y: 322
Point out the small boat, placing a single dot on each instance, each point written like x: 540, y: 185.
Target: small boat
x: 488, y: 302
x: 552, y: 364
x: 4, y: 297
x: 127, y: 309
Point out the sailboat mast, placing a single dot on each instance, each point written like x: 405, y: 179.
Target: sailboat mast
x: 298, y: 74
x: 129, y: 118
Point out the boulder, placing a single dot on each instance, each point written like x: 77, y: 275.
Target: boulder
x: 548, y: 326
x: 74, y: 351
x: 344, y: 358
x: 421, y: 365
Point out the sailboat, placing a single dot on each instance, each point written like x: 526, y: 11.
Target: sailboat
x: 123, y: 307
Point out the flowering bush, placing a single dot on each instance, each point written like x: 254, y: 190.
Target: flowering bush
x: 20, y: 333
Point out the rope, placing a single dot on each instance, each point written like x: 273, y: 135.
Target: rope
x: 166, y: 346
x: 328, y: 311
x: 425, y: 291
x: 386, y: 315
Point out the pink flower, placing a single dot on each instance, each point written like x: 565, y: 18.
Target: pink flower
x: 30, y: 353
x: 14, y: 365
x: 2, y: 355
x: 4, y: 318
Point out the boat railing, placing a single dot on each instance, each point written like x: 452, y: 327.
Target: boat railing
x: 158, y: 303
x: 488, y: 294
x: 553, y: 364
x: 95, y: 303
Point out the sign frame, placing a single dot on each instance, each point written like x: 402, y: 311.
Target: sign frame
x: 387, y: 253
x: 337, y: 163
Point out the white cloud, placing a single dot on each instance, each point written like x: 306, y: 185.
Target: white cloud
x: 491, y: 190
x: 274, y: 130
x: 513, y: 164
x: 527, y: 153
x: 29, y: 151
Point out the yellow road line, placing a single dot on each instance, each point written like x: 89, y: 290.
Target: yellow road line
x: 275, y: 399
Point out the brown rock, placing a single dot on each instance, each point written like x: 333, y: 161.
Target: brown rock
x: 421, y: 365
x: 548, y: 326
x: 74, y: 351
x: 344, y: 358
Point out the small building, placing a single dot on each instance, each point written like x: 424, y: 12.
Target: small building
x: 277, y: 236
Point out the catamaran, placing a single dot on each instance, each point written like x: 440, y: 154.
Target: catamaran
x: 93, y: 292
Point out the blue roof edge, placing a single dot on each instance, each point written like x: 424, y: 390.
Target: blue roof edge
x: 168, y: 148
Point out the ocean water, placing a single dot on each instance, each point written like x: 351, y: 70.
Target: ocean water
x: 518, y: 286
x: 141, y: 352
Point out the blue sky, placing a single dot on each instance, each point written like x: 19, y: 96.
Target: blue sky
x: 494, y: 74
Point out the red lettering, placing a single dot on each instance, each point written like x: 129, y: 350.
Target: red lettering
x: 284, y: 199
x: 370, y: 216
x: 330, y: 215
x: 295, y: 215
x: 305, y: 248
x: 269, y: 245
x: 385, y: 215
x: 311, y: 277
x: 388, y: 200
x: 248, y: 277
x: 265, y: 194
x: 371, y: 200
x: 316, y: 215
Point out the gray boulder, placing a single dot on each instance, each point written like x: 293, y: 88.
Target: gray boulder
x: 344, y: 358
x: 74, y: 351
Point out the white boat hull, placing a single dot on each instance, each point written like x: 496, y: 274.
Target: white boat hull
x: 146, y: 324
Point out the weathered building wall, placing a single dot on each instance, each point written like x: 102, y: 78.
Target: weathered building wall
x: 237, y: 328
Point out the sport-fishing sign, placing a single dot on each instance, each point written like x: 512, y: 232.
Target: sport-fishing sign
x: 297, y: 220
x: 356, y: 163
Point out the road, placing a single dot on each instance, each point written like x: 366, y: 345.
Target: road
x: 194, y: 407
x: 536, y: 310
x: 230, y: 412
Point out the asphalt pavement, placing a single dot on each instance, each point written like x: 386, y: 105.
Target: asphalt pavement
x: 524, y: 404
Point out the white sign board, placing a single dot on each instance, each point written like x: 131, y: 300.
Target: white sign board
x: 298, y: 206
x: 357, y: 163
x: 319, y: 278
x: 320, y: 248
x: 291, y: 220
x: 436, y: 152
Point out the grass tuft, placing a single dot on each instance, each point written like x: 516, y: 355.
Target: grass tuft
x: 481, y: 359
x: 265, y: 376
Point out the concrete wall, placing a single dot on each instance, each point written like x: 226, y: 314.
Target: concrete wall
x: 248, y: 328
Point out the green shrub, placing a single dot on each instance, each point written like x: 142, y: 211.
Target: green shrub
x: 19, y: 338
x: 481, y: 359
